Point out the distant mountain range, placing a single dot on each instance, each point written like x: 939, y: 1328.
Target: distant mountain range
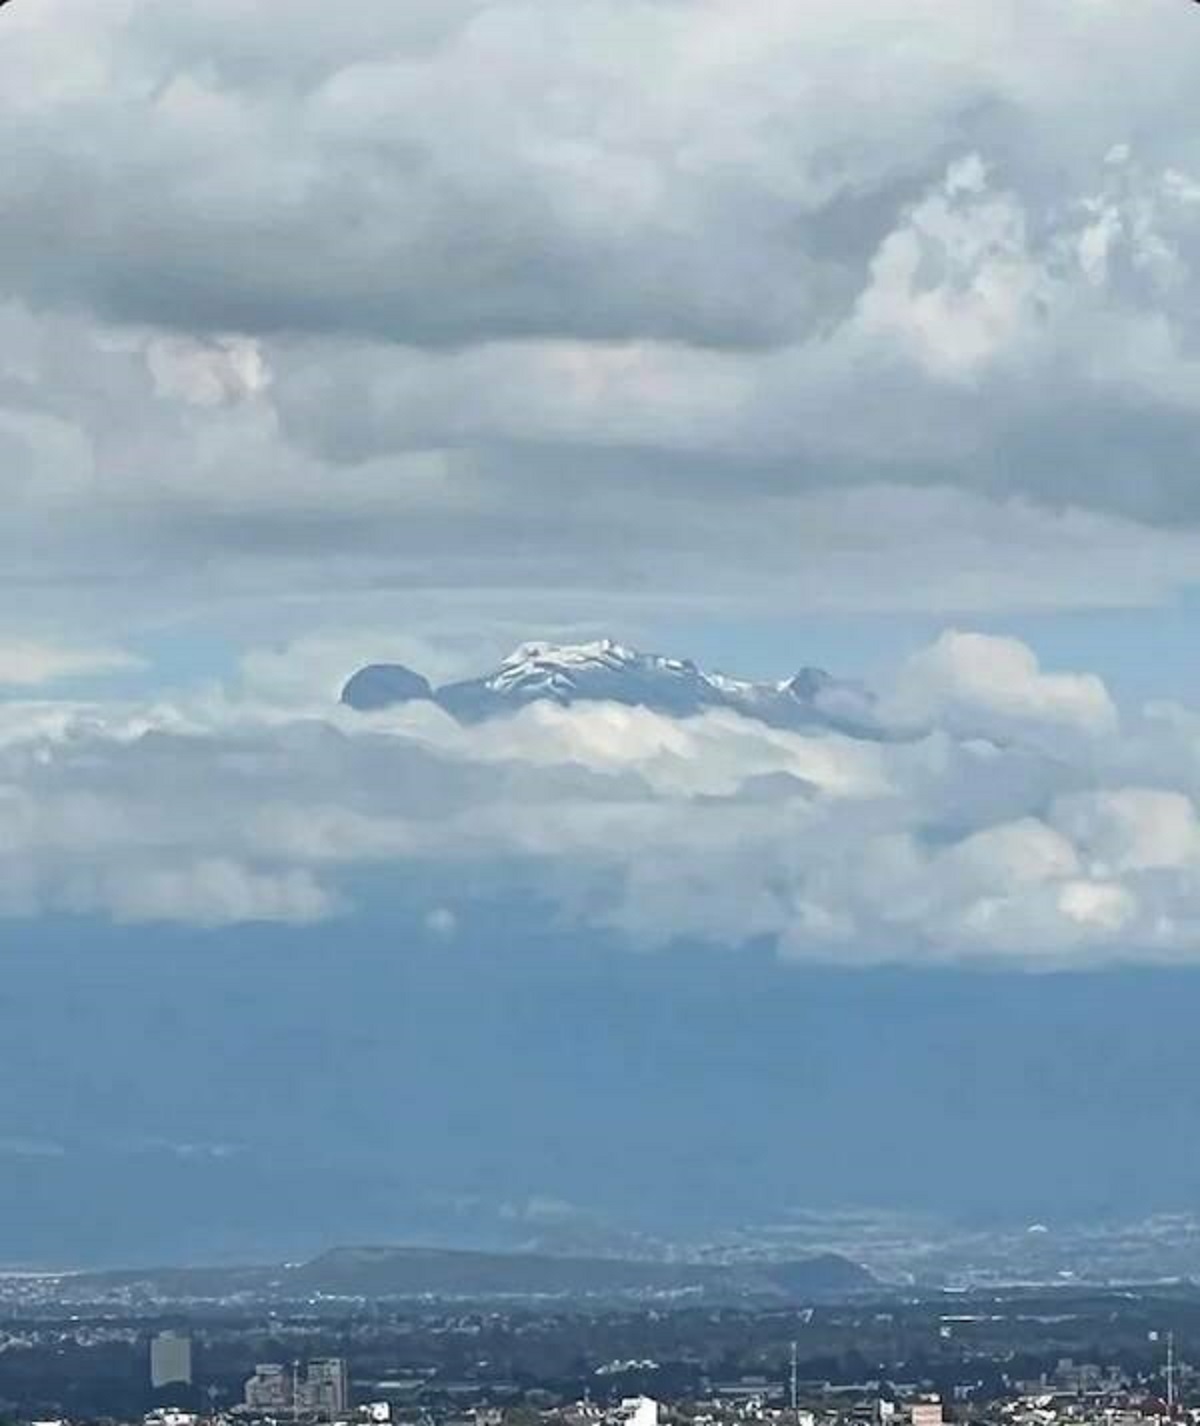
x: 398, y: 1272
x: 605, y: 671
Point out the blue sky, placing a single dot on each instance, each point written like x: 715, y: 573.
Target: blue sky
x: 768, y: 335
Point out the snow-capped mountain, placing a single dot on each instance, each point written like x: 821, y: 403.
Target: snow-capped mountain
x: 605, y: 671
x: 602, y: 671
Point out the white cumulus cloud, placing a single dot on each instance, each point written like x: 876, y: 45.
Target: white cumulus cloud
x: 1019, y: 821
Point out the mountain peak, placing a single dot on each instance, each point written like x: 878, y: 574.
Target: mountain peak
x: 595, y: 649
x: 382, y: 685
x: 808, y: 682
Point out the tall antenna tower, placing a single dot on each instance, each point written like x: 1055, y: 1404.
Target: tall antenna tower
x: 795, y: 1385
x: 1171, y: 1374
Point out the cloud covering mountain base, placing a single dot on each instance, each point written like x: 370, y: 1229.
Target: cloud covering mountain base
x: 1022, y: 819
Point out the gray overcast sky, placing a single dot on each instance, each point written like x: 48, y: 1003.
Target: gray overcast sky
x: 587, y: 311
x: 770, y: 332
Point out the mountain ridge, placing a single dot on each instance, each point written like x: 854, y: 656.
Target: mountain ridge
x: 396, y: 1271
x: 606, y: 671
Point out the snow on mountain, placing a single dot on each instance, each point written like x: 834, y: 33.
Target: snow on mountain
x: 605, y: 671
x: 602, y: 671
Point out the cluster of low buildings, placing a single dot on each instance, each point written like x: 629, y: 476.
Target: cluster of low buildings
x: 319, y: 1392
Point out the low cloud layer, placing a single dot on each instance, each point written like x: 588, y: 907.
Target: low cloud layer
x: 1031, y: 825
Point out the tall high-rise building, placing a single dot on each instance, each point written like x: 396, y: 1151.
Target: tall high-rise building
x: 170, y: 1359
x: 321, y: 1393
x: 270, y: 1389
x: 326, y: 1388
